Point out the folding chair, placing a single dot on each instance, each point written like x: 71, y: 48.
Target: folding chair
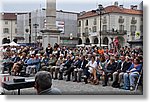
x: 138, y: 81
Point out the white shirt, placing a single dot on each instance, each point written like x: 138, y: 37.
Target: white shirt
x: 93, y: 65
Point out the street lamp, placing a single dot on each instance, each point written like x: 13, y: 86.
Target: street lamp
x: 99, y: 11
x: 35, y: 26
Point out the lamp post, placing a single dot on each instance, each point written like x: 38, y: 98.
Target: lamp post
x: 99, y: 11
x: 35, y: 26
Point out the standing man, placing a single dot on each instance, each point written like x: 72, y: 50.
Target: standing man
x: 49, y: 50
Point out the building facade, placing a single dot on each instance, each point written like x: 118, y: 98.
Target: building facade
x: 116, y: 21
x: 66, y: 22
x: 9, y: 26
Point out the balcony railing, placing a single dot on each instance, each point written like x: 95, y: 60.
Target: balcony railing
x: 78, y: 35
x: 120, y: 32
x: 121, y: 20
x: 85, y: 34
x: 133, y: 21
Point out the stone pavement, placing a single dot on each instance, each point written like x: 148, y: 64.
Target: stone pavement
x: 75, y: 88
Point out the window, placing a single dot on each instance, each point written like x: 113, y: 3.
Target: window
x: 86, y: 23
x: 95, y: 22
x: 6, y: 22
x: 86, y: 30
x: 94, y: 29
x: 104, y: 20
x: 105, y: 28
x: 133, y: 21
x: 132, y: 28
x: 141, y: 28
x: 79, y: 30
x: 79, y: 24
x: 120, y: 20
x: 121, y: 28
x: 5, y: 30
x: 16, y: 30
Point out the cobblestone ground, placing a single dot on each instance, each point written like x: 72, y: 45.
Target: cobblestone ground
x: 75, y: 88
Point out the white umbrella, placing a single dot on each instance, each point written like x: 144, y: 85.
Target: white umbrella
x: 5, y: 44
x: 14, y: 44
x: 81, y: 45
x: 98, y: 45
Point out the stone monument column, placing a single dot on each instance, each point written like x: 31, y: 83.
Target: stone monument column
x: 50, y: 34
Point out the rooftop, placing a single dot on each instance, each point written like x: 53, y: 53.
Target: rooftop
x: 111, y: 9
x: 9, y: 16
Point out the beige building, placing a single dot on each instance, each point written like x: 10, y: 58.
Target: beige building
x: 9, y: 25
x: 116, y: 21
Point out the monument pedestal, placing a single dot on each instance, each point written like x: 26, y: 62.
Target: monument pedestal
x: 50, y: 36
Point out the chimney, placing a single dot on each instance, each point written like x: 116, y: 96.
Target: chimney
x: 121, y: 6
x: 82, y: 13
x: 135, y: 7
x: 132, y: 7
x: 116, y: 3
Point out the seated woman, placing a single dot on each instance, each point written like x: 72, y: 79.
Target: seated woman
x: 92, y: 65
x: 109, y: 70
x: 101, y: 66
x: 17, y: 67
x: 131, y: 74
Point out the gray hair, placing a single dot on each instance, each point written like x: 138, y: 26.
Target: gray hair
x: 43, y: 79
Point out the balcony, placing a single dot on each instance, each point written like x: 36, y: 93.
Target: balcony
x: 85, y: 34
x: 116, y: 32
x: 133, y: 21
x: 78, y: 35
x: 121, y: 20
x: 133, y: 33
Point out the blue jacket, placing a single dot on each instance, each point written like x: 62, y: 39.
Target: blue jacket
x: 138, y: 68
x: 30, y: 61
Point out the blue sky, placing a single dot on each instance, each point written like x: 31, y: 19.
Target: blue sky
x: 66, y: 5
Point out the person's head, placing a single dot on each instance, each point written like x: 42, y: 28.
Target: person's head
x: 112, y: 60
x: 92, y: 58
x: 68, y: 57
x: 116, y: 57
x: 61, y: 56
x: 43, y: 81
x: 83, y: 58
x: 102, y: 59
x: 127, y: 58
x: 140, y: 57
x: 77, y: 58
x: 49, y: 45
x: 122, y: 58
x: 136, y: 61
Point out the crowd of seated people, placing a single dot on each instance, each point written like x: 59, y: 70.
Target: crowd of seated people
x: 90, y: 65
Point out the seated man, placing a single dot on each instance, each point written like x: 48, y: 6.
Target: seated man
x: 30, y: 65
x: 58, y: 64
x: 66, y: 66
x: 81, y: 68
x: 44, y: 62
x: 131, y: 74
x: 121, y: 69
x: 43, y: 84
x: 109, y: 70
x: 51, y: 63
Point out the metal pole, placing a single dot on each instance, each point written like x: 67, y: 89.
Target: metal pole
x: 11, y: 31
x: 100, y: 29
